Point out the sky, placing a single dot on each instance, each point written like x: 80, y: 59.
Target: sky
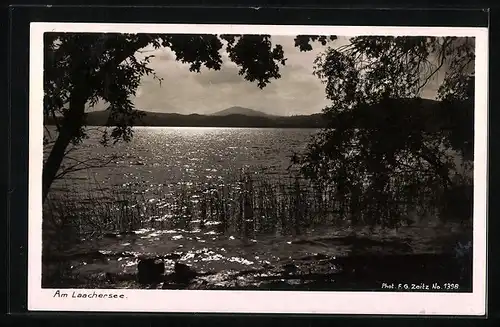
x: 298, y: 91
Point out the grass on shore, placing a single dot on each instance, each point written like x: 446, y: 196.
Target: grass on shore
x: 249, y: 205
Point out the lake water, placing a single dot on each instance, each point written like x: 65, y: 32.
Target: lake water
x: 172, y: 155
x: 160, y: 162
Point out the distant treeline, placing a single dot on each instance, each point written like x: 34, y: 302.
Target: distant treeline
x: 101, y: 118
x: 424, y: 113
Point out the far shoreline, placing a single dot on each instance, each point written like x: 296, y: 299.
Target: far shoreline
x: 214, y: 127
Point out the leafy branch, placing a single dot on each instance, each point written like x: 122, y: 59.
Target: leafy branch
x: 85, y: 165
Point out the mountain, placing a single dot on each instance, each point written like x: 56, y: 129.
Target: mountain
x: 429, y: 110
x: 100, y: 118
x: 241, y: 111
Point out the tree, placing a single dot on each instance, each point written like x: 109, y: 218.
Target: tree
x: 386, y: 148
x: 82, y: 69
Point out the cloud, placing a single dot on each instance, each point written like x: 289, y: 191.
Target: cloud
x: 296, y: 92
x: 227, y: 74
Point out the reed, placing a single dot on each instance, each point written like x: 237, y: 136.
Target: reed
x: 247, y: 205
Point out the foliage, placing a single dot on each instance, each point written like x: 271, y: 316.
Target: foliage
x: 107, y: 66
x: 81, y: 69
x: 386, y: 148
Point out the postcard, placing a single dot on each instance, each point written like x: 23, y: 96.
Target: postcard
x: 258, y: 169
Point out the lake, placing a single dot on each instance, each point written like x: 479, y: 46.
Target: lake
x: 181, y: 190
x: 173, y: 155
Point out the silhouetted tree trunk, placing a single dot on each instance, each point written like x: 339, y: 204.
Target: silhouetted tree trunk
x: 94, y: 66
x: 69, y: 128
x: 74, y: 118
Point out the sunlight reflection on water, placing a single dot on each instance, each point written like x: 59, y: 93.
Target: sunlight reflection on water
x: 231, y: 253
x: 170, y: 155
x: 160, y: 162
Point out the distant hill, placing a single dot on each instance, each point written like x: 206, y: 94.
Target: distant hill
x: 100, y: 118
x: 233, y: 117
x: 241, y: 111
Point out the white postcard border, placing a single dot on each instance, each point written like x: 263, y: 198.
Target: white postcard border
x: 258, y: 301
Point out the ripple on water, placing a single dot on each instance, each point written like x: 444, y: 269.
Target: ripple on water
x: 212, y: 256
x: 212, y: 223
x: 241, y: 260
x: 188, y: 256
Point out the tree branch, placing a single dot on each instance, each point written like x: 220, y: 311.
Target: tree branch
x: 75, y: 167
x: 442, y: 55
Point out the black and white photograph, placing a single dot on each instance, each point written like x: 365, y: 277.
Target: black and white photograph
x: 204, y: 168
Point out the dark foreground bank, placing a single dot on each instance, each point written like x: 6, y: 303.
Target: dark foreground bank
x: 391, y: 272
